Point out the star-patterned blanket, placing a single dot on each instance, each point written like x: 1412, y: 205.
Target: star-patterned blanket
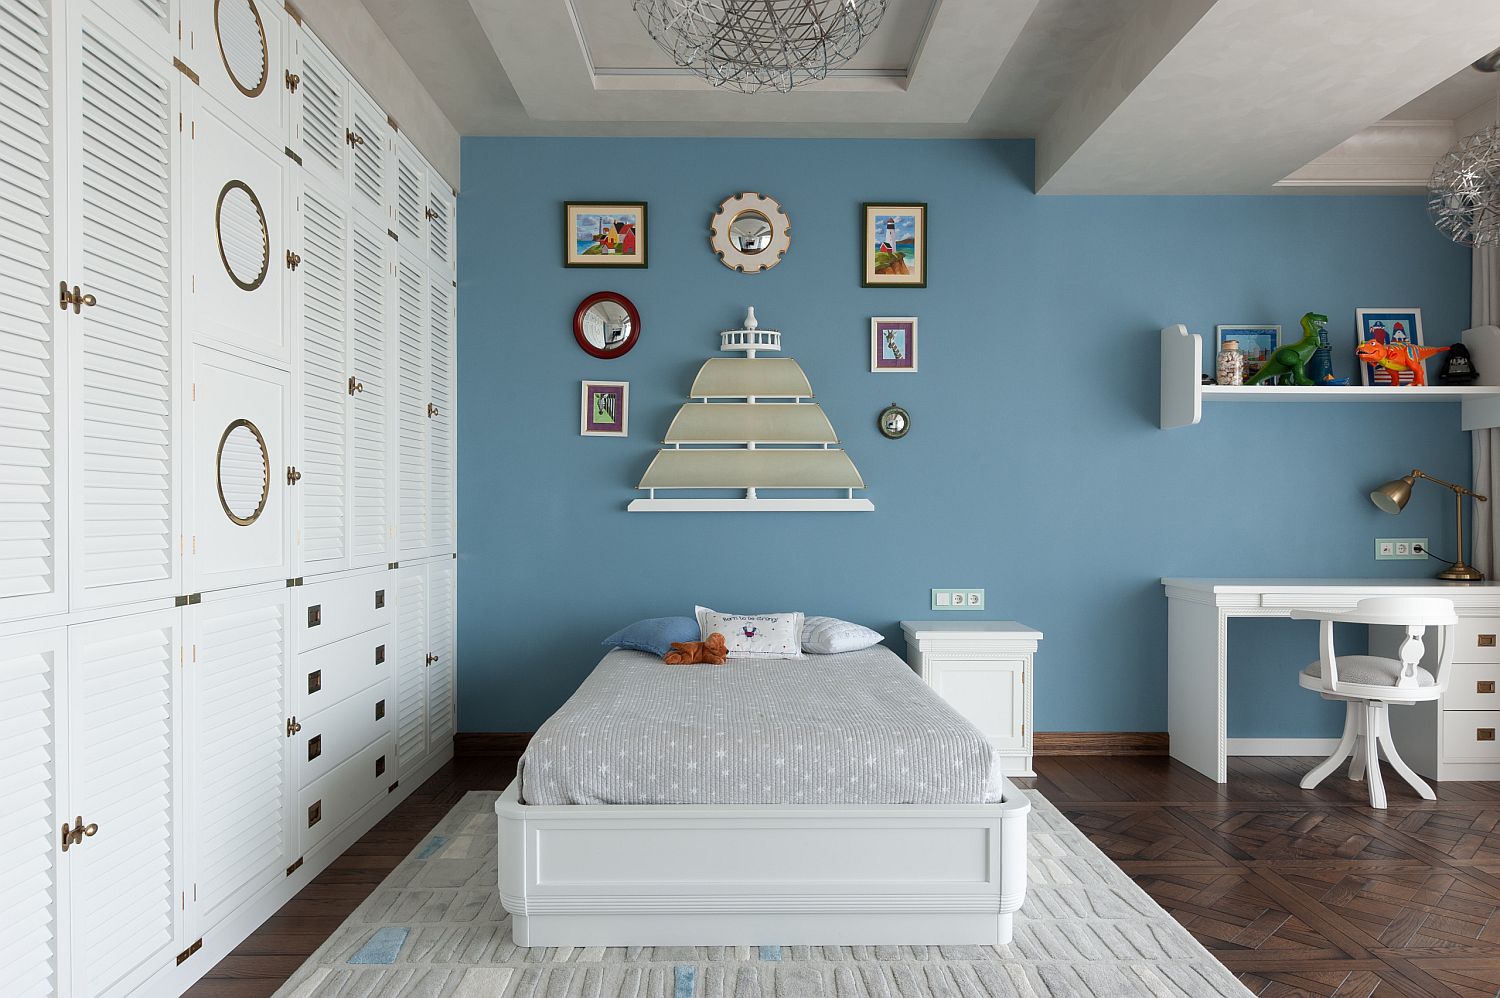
x: 855, y: 728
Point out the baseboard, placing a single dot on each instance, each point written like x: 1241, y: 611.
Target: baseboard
x: 1099, y: 743
x: 1282, y: 746
x: 507, y: 743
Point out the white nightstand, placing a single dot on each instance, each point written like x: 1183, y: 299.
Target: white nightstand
x: 982, y: 668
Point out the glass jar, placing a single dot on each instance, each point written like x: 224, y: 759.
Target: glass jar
x: 1229, y: 368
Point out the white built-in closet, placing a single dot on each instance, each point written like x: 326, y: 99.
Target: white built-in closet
x: 226, y: 480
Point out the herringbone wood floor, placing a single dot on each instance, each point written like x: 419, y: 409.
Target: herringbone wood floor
x: 1301, y: 893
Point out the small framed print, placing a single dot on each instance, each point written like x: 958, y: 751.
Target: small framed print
x: 1388, y: 327
x: 893, y: 343
x: 604, y: 234
x: 1257, y: 343
x: 895, y: 253
x: 604, y: 410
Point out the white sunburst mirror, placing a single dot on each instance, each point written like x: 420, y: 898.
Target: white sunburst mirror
x: 750, y: 232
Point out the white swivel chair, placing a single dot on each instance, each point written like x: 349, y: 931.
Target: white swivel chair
x: 1368, y: 684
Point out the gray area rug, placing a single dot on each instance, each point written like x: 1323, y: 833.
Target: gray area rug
x: 436, y: 928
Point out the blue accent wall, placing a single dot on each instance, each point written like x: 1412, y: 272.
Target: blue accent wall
x: 1034, y: 466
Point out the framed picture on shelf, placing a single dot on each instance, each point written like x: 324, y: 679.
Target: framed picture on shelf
x: 1386, y: 326
x: 895, y: 254
x: 1256, y: 342
x: 604, y: 410
x: 893, y: 343
x: 604, y: 234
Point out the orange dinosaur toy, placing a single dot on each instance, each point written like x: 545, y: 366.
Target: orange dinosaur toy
x: 711, y: 651
x: 1398, y: 357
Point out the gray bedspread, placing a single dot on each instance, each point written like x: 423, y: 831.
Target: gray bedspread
x: 856, y: 728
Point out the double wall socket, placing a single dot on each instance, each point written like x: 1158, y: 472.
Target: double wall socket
x: 958, y: 599
x: 1400, y: 548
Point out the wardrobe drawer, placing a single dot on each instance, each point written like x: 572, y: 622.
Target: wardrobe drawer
x: 1478, y: 640
x: 1471, y: 735
x: 339, y: 795
x: 332, y: 736
x: 331, y: 611
x: 1473, y: 686
x: 329, y: 674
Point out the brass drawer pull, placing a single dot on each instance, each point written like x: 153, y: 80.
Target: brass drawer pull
x: 1486, y: 640
x: 1484, y: 735
x: 1484, y: 686
x: 314, y: 813
x: 380, y: 654
x: 315, y: 681
x: 314, y: 747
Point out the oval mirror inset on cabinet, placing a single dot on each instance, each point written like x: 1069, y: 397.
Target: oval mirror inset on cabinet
x: 244, y: 240
x: 243, y: 472
x: 242, y: 45
x: 606, y: 325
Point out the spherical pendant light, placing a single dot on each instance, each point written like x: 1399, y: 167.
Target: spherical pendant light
x: 754, y: 45
x: 1463, y: 196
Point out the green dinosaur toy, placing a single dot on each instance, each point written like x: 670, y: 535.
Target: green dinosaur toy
x: 1289, y: 362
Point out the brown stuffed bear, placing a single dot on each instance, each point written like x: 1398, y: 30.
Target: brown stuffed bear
x: 711, y: 651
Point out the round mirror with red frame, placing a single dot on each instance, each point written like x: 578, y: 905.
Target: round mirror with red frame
x: 606, y: 325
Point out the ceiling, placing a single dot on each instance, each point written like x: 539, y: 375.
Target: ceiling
x: 1142, y: 96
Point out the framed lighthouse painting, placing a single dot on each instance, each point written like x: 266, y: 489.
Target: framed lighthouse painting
x: 1390, y: 328
x: 599, y: 234
x: 895, y: 254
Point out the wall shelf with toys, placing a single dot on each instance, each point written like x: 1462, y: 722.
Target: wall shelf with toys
x: 1183, y: 392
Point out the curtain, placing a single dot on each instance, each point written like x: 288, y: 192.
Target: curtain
x: 1485, y: 311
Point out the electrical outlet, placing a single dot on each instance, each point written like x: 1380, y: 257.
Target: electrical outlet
x: 1400, y: 548
x: 958, y: 599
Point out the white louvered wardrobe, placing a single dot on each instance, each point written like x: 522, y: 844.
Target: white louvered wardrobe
x: 227, y: 531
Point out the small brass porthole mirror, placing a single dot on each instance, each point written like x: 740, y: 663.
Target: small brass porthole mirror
x: 244, y: 240
x: 894, y: 421
x: 244, y: 472
x: 750, y: 233
x: 242, y: 45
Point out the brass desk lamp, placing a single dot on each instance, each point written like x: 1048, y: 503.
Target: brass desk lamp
x: 1393, y: 496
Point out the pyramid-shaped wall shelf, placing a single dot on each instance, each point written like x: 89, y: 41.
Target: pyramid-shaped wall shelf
x: 750, y: 425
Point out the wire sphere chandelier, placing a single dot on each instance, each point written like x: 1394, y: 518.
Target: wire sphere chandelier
x: 1463, y: 196
x: 755, y: 45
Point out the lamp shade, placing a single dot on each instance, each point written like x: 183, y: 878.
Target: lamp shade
x: 1393, y: 495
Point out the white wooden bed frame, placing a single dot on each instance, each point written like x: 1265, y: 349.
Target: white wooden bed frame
x: 762, y: 874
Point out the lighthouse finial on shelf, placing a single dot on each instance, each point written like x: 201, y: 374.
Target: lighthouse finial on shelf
x: 750, y: 322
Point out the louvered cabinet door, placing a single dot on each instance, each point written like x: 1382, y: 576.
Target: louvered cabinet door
x: 30, y: 666
x: 31, y: 534
x: 412, y: 650
x: 124, y: 525
x: 441, y: 415
x: 439, y: 214
x: 238, y: 50
x: 237, y: 767
x: 328, y: 386
x: 241, y: 473
x: 442, y: 699
x: 413, y: 484
x: 123, y: 723
x: 322, y: 130
x: 237, y: 243
x: 369, y: 364
x: 371, y: 153
x: 410, y: 194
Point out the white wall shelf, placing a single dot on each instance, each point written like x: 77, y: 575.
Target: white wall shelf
x: 1183, y: 394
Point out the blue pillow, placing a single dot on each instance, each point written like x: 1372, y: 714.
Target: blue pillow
x: 654, y: 635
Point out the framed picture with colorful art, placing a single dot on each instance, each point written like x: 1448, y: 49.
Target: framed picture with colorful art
x: 1257, y: 343
x: 1388, y: 327
x: 893, y: 344
x: 604, y: 410
x: 604, y: 234
x: 895, y: 254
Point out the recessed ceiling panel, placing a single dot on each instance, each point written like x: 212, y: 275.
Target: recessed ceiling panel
x: 615, y: 42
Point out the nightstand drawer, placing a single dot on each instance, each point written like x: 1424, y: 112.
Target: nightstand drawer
x: 1473, y: 686
x: 1478, y: 640
x: 1471, y: 735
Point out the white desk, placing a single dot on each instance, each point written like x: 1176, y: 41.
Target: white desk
x: 1198, y: 612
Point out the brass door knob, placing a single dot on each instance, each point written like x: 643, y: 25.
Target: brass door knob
x: 355, y: 385
x: 75, y: 298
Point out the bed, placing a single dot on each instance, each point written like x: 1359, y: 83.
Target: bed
x: 826, y: 800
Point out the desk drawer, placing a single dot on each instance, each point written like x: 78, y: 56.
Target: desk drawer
x: 1473, y: 686
x: 332, y: 736
x: 1471, y: 735
x: 1478, y: 640
x: 339, y: 670
x: 331, y: 611
x: 327, y: 803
